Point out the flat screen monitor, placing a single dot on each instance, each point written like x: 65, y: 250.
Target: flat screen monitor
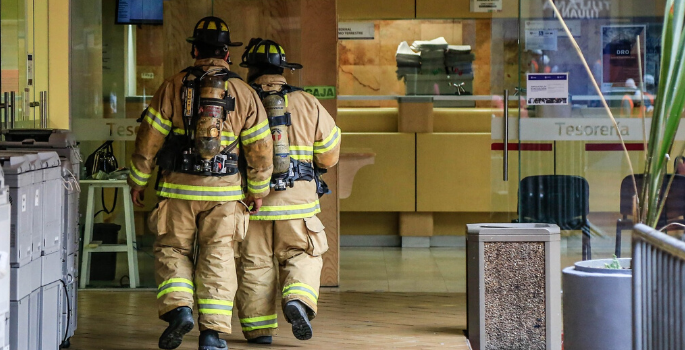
x: 139, y: 11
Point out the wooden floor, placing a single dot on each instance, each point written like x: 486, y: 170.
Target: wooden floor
x: 346, y: 320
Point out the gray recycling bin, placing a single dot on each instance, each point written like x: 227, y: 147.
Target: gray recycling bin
x: 513, y: 286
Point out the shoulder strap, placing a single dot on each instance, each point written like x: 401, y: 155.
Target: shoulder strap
x: 290, y: 88
x: 285, y: 89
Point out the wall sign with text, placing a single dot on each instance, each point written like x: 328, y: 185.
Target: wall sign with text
x: 321, y: 92
x: 356, y: 30
x: 486, y: 5
x: 575, y: 129
x: 547, y: 89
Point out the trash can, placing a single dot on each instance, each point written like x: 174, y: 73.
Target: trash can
x: 513, y: 286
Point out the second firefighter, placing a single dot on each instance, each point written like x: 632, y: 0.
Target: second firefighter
x: 306, y: 141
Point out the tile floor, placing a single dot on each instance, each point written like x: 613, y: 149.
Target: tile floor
x: 433, y: 270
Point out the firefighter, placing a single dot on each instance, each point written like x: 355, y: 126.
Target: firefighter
x: 191, y: 130
x: 287, y: 226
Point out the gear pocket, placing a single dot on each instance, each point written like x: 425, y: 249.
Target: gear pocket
x: 156, y: 220
x: 318, y: 243
x: 242, y: 221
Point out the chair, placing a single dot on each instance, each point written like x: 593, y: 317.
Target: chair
x: 673, y: 209
x: 563, y: 200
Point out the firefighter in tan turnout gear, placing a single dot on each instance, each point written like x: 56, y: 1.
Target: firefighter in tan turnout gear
x: 193, y: 128
x: 306, y: 141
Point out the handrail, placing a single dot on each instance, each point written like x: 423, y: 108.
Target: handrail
x: 658, y: 290
x: 661, y: 241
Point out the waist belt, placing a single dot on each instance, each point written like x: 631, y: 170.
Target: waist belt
x: 174, y: 156
x: 298, y: 171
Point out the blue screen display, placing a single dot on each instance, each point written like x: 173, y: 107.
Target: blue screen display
x: 139, y: 11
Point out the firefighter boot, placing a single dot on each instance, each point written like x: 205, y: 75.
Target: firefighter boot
x: 296, y: 314
x: 209, y: 340
x: 265, y: 339
x: 180, y: 322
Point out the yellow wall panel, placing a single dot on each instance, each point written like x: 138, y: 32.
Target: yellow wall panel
x: 369, y: 223
x: 58, y: 66
x: 364, y: 9
x: 388, y: 184
x: 453, y: 172
x: 367, y: 119
x: 462, y: 119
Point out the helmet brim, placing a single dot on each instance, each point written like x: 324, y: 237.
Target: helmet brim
x: 286, y: 65
x: 193, y: 40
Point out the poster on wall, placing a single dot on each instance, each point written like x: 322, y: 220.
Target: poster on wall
x: 573, y: 25
x: 486, y: 5
x: 620, y: 63
x: 547, y: 89
x: 542, y: 39
x: 356, y: 30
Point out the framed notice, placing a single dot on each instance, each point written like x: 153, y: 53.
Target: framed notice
x: 547, y: 89
x: 486, y: 5
x: 356, y: 31
x: 620, y: 55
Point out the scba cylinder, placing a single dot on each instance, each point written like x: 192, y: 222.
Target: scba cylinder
x: 275, y: 107
x: 211, y: 118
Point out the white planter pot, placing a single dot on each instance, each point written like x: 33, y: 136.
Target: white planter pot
x: 597, y: 304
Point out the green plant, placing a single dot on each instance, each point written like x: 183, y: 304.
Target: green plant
x: 669, y: 105
x: 614, y: 265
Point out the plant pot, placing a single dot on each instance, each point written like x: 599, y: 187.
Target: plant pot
x: 597, y: 304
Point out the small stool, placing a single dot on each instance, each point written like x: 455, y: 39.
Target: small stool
x: 129, y: 247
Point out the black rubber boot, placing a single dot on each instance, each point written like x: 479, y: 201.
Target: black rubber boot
x: 180, y: 322
x: 265, y: 339
x: 296, y: 314
x: 209, y: 340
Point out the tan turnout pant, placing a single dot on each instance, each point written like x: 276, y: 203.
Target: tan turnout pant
x: 210, y: 279
x: 297, y: 246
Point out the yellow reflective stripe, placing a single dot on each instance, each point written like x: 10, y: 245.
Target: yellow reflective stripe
x: 299, y: 292
x: 178, y: 131
x: 176, y: 280
x: 253, y: 328
x: 138, y: 176
x: 301, y: 286
x: 261, y: 322
x: 255, y: 133
x: 258, y: 186
x: 302, y: 152
x: 136, y: 180
x: 215, y: 302
x: 302, y: 156
x: 287, y: 212
x: 301, y: 289
x: 258, y: 183
x: 215, y: 307
x: 329, y: 142
x: 257, y: 319
x: 200, y: 193
x: 174, y: 289
x: 155, y: 120
x: 215, y: 312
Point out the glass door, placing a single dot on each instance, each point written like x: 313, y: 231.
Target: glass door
x: 505, y: 105
x: 565, y: 134
x: 13, y: 59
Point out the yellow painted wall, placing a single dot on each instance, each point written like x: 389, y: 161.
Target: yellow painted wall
x: 58, y: 66
x: 388, y: 184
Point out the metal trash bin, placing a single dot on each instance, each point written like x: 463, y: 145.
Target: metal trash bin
x: 513, y: 286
